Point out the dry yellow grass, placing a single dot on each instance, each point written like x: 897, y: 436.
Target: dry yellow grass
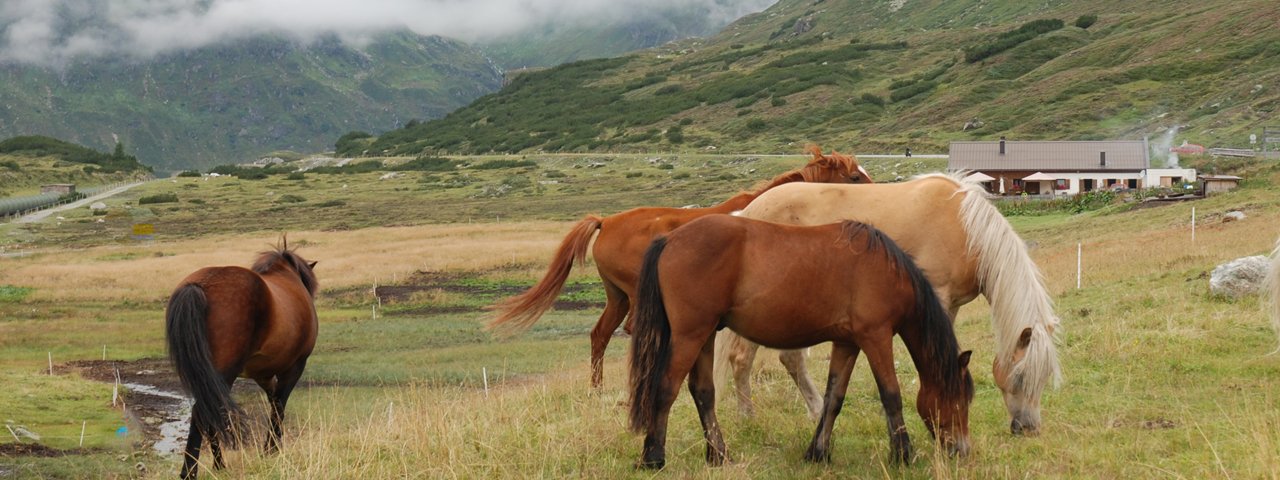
x: 347, y: 258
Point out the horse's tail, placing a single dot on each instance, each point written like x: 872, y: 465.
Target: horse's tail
x: 1014, y: 287
x: 518, y: 313
x: 650, y: 343
x: 188, y: 341
x: 1272, y: 287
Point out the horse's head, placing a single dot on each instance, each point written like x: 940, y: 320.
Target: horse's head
x: 283, y: 257
x: 1023, y: 402
x: 833, y: 168
x: 944, y: 406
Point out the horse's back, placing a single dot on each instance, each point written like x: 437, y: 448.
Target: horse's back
x: 922, y: 216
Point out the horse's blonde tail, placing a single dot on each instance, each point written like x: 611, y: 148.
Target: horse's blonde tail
x: 518, y: 313
x: 1014, y: 287
x: 1272, y: 290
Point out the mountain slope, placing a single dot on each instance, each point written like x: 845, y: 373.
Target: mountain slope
x: 225, y: 103
x: 857, y: 74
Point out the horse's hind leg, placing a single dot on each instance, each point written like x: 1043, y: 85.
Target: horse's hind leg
x: 191, y: 456
x: 616, y: 306
x: 279, y: 397
x: 685, y: 350
x: 843, y: 357
x: 794, y: 361
x: 742, y: 357
x: 880, y: 357
x: 702, y: 388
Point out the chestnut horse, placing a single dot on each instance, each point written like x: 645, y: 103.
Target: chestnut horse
x: 965, y: 248
x: 228, y: 322
x: 620, y: 246
x: 789, y: 287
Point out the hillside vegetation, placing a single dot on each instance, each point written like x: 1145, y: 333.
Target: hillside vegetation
x: 30, y: 161
x: 235, y: 101
x: 876, y: 76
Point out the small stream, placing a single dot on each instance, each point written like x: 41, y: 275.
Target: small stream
x: 174, y: 422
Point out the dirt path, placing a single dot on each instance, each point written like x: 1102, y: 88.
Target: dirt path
x: 41, y: 215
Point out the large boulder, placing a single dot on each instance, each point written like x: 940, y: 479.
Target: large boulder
x: 1239, y: 277
x: 98, y: 206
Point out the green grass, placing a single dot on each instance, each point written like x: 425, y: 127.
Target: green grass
x: 1161, y: 379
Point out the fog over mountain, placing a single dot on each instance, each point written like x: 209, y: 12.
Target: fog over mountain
x: 55, y: 32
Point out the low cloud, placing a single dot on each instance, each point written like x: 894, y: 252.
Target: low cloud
x: 54, y: 32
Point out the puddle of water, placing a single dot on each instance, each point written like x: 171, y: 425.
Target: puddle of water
x: 173, y: 432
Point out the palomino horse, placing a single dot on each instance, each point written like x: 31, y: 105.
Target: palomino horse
x: 790, y: 287
x: 965, y: 248
x: 228, y: 322
x: 620, y: 246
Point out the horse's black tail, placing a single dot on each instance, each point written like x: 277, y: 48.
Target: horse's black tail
x: 650, y: 343
x: 188, y: 341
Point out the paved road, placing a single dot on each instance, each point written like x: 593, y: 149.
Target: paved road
x: 41, y: 215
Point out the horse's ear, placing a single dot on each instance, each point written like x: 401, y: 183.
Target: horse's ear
x: 1025, y: 339
x: 312, y: 265
x: 964, y: 358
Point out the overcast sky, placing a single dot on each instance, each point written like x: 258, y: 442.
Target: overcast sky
x: 53, y: 31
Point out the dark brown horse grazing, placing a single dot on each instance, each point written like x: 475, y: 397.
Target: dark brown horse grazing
x: 228, y: 322
x: 791, y: 287
x: 620, y: 246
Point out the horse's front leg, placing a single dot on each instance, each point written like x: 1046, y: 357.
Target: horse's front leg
x: 843, y: 357
x: 880, y: 357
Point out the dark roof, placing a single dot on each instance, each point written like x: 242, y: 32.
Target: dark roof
x: 1049, y: 156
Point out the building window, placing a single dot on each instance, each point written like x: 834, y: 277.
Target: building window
x: 1061, y: 184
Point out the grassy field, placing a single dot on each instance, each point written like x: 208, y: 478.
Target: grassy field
x: 1162, y: 379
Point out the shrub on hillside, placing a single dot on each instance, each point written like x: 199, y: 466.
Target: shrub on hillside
x: 158, y: 198
x: 352, y: 143
x: 911, y: 90
x: 189, y: 173
x: 427, y: 164
x: 290, y: 198
x: 1012, y: 38
x: 295, y: 176
x: 1086, y: 21
x: 497, y: 164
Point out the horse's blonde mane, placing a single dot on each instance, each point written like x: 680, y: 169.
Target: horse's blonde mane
x: 1271, y: 290
x: 1013, y: 286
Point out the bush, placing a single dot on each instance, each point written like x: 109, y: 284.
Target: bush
x: 911, y: 90
x: 1086, y: 21
x: 665, y: 166
x: 331, y: 203
x: 496, y: 164
x: 427, y: 164
x: 296, y: 176
x: 686, y: 121
x: 158, y: 198
x: 872, y: 99
x: 11, y: 165
x: 189, y: 173
x: 675, y: 134
x: 756, y: 125
x: 290, y: 198
x: 1012, y: 39
x: 777, y: 101
x: 634, y: 174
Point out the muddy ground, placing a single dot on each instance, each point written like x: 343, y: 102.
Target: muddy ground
x: 456, y: 282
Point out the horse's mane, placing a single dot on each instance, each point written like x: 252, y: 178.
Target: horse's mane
x: 1013, y: 285
x: 809, y: 172
x: 281, y: 256
x: 938, y: 335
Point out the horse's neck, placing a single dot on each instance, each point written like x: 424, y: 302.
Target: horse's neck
x: 741, y: 200
x: 929, y: 371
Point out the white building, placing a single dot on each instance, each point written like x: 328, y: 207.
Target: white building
x: 1063, y: 168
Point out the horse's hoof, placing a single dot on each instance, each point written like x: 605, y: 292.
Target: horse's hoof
x: 817, y: 456
x: 651, y: 464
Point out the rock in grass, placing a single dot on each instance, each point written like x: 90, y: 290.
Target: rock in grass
x: 1239, y: 277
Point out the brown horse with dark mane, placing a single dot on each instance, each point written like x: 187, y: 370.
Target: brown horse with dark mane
x: 228, y: 322
x: 620, y: 247
x: 790, y: 287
